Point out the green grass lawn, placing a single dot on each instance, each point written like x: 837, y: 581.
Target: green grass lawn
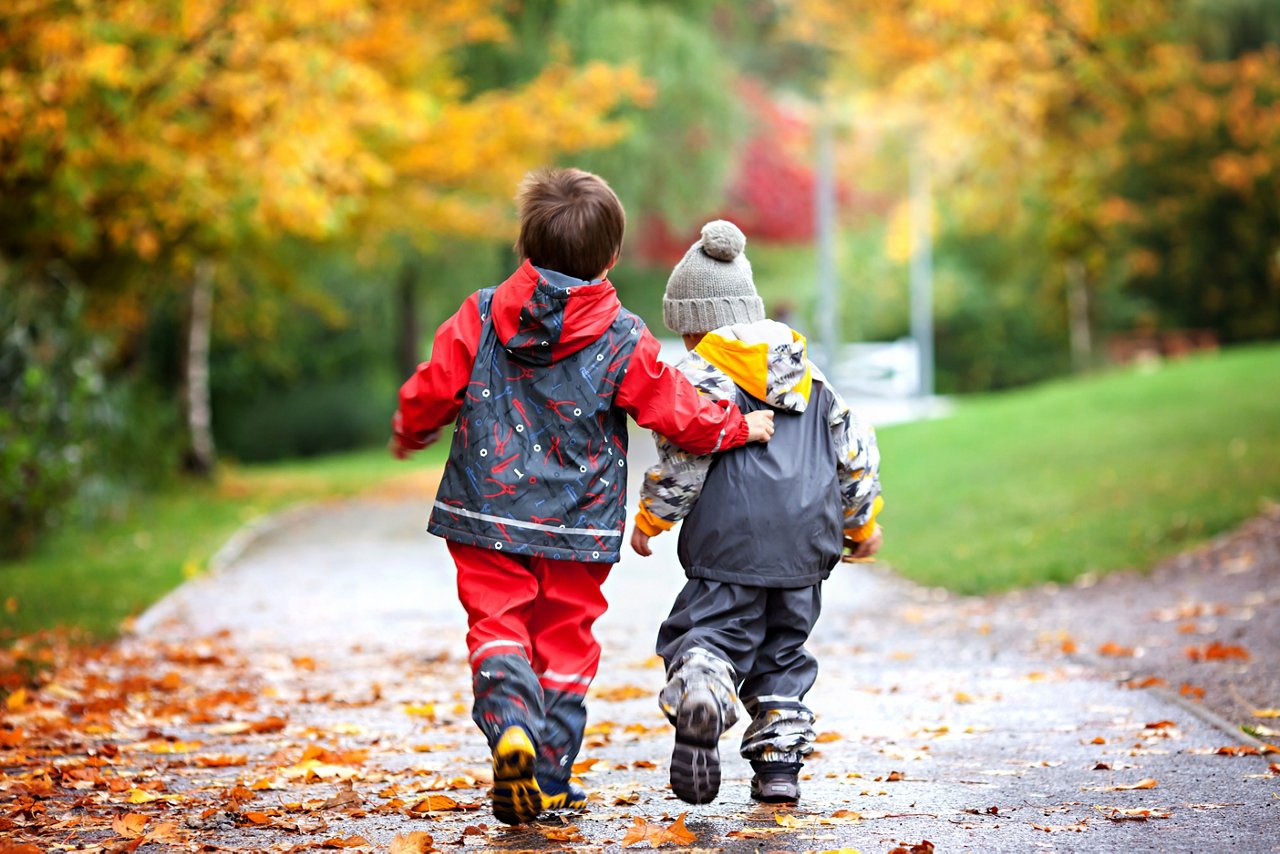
x: 92, y: 578
x: 1112, y: 471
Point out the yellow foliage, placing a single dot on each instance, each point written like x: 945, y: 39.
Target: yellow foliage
x: 155, y: 125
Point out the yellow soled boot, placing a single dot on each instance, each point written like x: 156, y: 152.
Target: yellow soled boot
x: 516, y: 797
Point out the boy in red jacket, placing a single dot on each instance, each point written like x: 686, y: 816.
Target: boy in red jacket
x: 539, y: 374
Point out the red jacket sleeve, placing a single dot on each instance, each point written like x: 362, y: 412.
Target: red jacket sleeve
x: 432, y: 397
x: 659, y: 398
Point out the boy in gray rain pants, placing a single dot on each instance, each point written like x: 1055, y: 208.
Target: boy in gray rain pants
x: 763, y: 527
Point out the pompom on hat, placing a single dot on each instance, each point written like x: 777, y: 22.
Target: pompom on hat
x: 712, y: 286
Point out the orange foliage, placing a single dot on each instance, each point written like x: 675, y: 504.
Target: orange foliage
x: 145, y: 128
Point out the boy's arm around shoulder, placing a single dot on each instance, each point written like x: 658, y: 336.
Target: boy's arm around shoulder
x: 671, y: 488
x: 659, y: 398
x: 432, y: 397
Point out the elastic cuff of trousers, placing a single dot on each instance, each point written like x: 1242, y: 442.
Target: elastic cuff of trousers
x: 762, y: 767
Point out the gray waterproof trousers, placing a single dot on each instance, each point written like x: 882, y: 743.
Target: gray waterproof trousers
x: 746, y: 641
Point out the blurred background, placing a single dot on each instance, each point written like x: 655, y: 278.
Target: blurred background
x: 228, y: 229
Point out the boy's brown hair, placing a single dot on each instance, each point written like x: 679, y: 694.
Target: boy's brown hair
x: 570, y: 221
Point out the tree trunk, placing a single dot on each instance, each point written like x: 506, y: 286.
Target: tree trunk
x: 409, y: 332
x: 201, y: 456
x: 1078, y: 312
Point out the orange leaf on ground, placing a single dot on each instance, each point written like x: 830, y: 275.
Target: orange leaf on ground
x: 418, y: 842
x: 16, y: 701
x: 924, y: 846
x: 656, y: 835
x: 1193, y: 691
x: 1139, y: 814
x: 11, y: 738
x: 1145, y: 783
x: 622, y: 692
x: 436, y: 803
x: 222, y: 760
x: 568, y: 833
x: 1266, y: 713
x: 131, y: 825
x: 828, y: 736
x: 346, y: 842
x: 1217, y: 651
x: 1115, y: 650
x: 1146, y: 682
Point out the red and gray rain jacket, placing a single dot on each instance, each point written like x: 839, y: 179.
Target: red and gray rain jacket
x: 540, y: 374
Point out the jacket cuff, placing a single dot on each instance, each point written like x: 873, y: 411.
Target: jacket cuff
x: 865, y: 531
x: 734, y: 433
x: 651, y: 525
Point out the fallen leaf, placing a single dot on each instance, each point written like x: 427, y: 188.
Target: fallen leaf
x: 827, y: 736
x: 582, y: 766
x: 1138, y: 814
x: 1217, y: 651
x: 1193, y: 691
x: 1079, y: 827
x: 1266, y: 713
x: 346, y: 842
x: 568, y: 833
x: 221, y: 760
x: 895, y: 777
x: 1146, y: 783
x: 675, y: 833
x: 1147, y: 682
x: 1115, y: 650
x: 131, y: 825
x: 621, y: 692
x: 922, y: 847
x: 417, y: 842
x: 17, y: 701
x: 436, y: 803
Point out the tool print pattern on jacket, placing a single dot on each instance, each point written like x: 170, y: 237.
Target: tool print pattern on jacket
x: 538, y: 461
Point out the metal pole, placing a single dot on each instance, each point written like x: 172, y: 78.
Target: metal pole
x: 922, y: 265
x: 828, y: 308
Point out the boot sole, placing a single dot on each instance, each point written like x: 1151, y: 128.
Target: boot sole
x: 516, y: 796
x: 775, y: 798
x: 695, y: 760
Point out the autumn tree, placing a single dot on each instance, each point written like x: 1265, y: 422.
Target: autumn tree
x: 145, y: 146
x: 1036, y: 108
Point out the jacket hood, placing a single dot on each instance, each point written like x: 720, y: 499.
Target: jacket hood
x: 766, y: 359
x: 544, y: 316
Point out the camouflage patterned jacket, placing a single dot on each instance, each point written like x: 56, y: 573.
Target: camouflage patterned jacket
x: 817, y: 479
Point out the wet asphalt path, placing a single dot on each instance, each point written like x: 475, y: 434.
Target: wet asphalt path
x: 931, y: 729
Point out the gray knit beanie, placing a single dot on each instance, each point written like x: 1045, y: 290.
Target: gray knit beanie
x: 712, y: 285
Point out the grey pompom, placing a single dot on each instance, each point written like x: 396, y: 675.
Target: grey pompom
x: 723, y: 240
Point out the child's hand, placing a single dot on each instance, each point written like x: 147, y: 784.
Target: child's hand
x: 864, y: 550
x: 402, y: 446
x: 640, y: 543
x: 759, y: 425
